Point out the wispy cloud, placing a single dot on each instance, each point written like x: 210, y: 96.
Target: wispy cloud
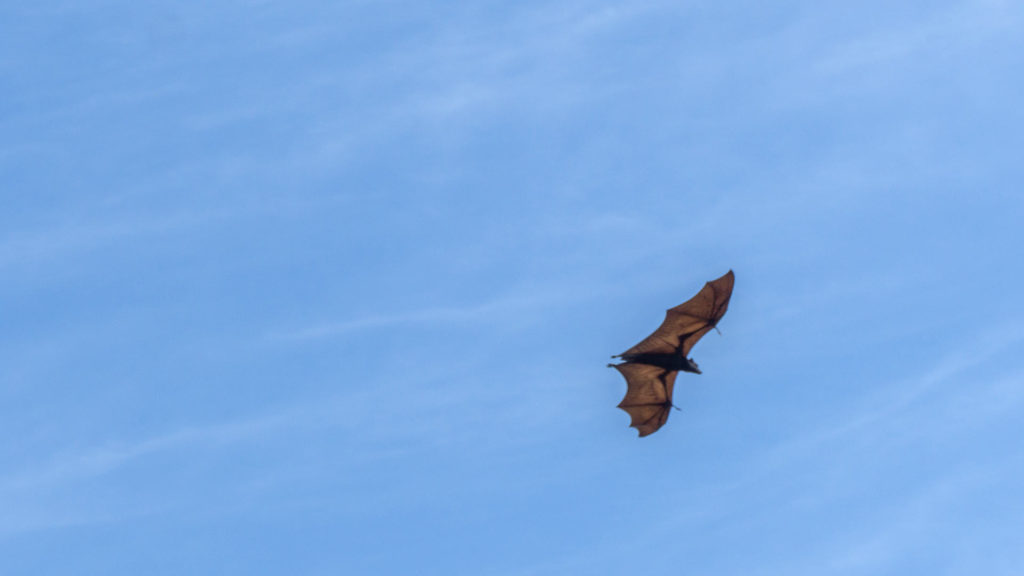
x: 892, y: 402
x: 485, y: 311
x: 944, y: 30
x: 73, y: 238
x: 26, y: 495
x: 427, y: 316
x: 99, y: 460
x: 902, y: 528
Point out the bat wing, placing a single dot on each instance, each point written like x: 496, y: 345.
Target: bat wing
x: 648, y: 397
x: 687, y: 323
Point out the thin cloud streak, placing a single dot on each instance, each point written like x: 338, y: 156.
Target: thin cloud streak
x: 97, y: 461
x: 892, y: 400
x: 65, y: 240
x: 953, y: 28
x: 25, y: 495
x: 438, y: 315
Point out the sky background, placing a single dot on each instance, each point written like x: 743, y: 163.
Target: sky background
x: 316, y: 287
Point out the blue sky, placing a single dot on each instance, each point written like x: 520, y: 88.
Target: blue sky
x: 329, y: 287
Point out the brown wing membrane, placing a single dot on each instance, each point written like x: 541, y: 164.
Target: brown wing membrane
x: 648, y: 397
x: 685, y: 324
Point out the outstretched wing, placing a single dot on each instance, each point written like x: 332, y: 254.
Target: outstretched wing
x: 648, y: 397
x: 685, y: 324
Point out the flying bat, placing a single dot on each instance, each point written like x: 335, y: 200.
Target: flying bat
x: 651, y: 366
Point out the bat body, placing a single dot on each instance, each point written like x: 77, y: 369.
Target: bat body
x: 650, y: 367
x: 673, y: 362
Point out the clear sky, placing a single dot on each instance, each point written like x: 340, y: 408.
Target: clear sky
x: 315, y: 287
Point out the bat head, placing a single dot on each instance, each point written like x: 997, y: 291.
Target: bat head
x: 694, y: 366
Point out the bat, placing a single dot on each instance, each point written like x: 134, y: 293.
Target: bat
x: 651, y: 366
